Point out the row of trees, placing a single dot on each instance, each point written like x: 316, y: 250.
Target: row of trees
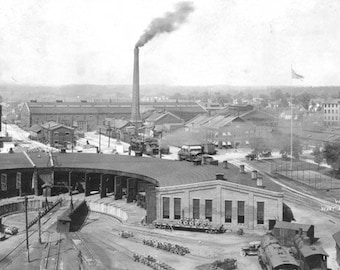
x: 222, y: 97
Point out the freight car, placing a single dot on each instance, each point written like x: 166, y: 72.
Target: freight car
x: 272, y: 256
x: 189, y: 224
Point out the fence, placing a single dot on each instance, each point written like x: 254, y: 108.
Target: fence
x: 305, y: 173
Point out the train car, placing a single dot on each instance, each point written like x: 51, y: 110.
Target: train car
x: 309, y: 256
x: 187, y: 224
x: 272, y: 256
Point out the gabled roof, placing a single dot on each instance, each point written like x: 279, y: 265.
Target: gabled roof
x: 155, y: 116
x: 52, y: 126
x: 117, y: 123
x: 35, y: 128
x: 212, y: 122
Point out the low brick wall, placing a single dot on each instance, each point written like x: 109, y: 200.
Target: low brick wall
x: 108, y: 209
x: 18, y: 207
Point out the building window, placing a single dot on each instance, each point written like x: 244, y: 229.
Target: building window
x: 208, y: 210
x: 55, y: 142
x: 260, y: 212
x: 177, y: 208
x: 166, y: 207
x: 240, y: 212
x: 56, y: 133
x: 228, y: 211
x: 196, y: 208
x: 67, y: 133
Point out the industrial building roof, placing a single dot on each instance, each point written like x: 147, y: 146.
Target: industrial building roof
x: 292, y: 226
x: 104, y: 107
x: 162, y: 172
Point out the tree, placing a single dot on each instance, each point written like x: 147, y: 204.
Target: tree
x: 304, y: 99
x: 285, y: 147
x: 259, y: 145
x: 331, y: 153
x: 318, y: 156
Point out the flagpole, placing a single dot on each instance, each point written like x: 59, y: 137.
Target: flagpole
x: 294, y: 75
x: 291, y: 128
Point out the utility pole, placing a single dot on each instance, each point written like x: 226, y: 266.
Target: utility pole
x: 26, y: 217
x: 291, y: 128
x: 39, y: 227
x: 109, y: 130
x: 99, y: 140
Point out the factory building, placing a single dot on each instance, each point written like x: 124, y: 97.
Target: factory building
x: 234, y: 131
x: 222, y: 194
x: 88, y: 116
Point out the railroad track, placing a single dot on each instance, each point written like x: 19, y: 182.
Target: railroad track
x: 51, y: 258
x: 19, y: 247
x: 87, y: 257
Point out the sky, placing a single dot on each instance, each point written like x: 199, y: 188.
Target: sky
x: 232, y: 42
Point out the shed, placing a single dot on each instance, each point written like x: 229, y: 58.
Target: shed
x: 63, y: 224
x: 285, y: 232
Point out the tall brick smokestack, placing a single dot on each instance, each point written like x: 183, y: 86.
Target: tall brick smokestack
x: 135, y: 109
x: 170, y: 22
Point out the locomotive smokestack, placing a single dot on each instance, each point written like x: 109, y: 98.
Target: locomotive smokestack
x: 135, y: 108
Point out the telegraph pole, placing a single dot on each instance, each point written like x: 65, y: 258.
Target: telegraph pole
x: 26, y: 217
x: 99, y: 140
x: 39, y: 227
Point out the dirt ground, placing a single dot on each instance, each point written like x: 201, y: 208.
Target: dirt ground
x: 101, y: 235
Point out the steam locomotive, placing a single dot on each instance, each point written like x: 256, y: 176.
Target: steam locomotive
x: 272, y: 256
x: 302, y: 256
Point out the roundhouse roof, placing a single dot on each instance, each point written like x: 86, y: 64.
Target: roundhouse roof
x: 162, y: 172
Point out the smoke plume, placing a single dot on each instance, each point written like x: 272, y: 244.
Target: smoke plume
x: 168, y: 23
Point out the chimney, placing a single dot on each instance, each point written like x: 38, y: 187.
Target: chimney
x: 254, y: 175
x: 259, y: 181
x: 135, y: 113
x: 219, y: 176
x: 225, y: 164
x: 242, y: 168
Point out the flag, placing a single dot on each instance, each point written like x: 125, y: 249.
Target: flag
x: 296, y: 76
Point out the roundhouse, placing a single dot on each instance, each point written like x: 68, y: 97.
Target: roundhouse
x: 172, y: 189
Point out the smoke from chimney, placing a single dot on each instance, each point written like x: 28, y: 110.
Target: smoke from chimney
x: 170, y: 22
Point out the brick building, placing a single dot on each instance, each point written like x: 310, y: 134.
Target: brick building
x: 57, y: 135
x: 222, y: 194
x: 232, y: 130
x: 89, y: 115
x: 331, y: 112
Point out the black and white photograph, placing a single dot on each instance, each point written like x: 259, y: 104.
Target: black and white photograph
x: 170, y: 135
